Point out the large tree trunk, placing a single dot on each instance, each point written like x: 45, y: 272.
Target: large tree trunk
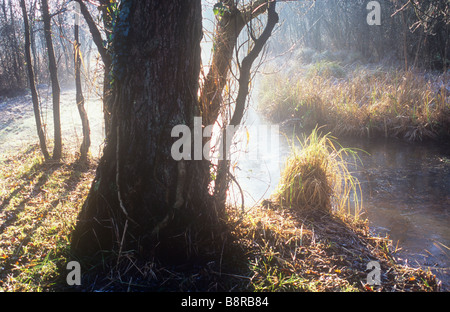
x: 84, y: 149
x: 142, y: 198
x: 34, y: 95
x: 56, y: 91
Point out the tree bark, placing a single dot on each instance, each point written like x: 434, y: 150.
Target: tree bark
x: 141, y: 198
x: 84, y: 149
x: 228, y: 30
x: 34, y: 95
x: 56, y: 91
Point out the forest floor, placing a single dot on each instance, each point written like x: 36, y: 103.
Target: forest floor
x: 271, y: 248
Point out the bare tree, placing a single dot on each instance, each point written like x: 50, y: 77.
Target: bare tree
x: 107, y: 9
x: 56, y: 91
x: 31, y: 77
x: 84, y: 149
x: 141, y: 197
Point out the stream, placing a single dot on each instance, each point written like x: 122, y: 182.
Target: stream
x: 405, y: 187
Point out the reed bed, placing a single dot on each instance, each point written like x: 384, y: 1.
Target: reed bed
x: 362, y: 101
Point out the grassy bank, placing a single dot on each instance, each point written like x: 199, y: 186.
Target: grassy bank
x: 273, y: 247
x: 39, y: 203
x: 349, y: 98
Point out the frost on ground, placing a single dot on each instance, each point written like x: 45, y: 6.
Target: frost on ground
x: 18, y: 126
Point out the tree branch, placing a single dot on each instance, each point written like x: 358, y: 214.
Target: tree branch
x: 96, y: 36
x: 247, y: 63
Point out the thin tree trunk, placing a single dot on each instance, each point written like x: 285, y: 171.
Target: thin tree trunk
x: 18, y: 61
x: 33, y: 41
x: 57, y: 150
x: 244, y: 80
x: 34, y: 95
x: 405, y: 40
x: 84, y: 149
x: 104, y: 54
x: 228, y: 30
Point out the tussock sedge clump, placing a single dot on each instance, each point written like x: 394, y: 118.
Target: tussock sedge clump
x: 316, y: 178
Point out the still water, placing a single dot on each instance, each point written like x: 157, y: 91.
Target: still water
x: 405, y: 188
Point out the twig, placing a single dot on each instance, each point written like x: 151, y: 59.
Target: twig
x: 119, y: 196
x: 240, y: 190
x: 121, y: 242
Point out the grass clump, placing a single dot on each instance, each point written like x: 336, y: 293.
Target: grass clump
x: 327, y: 69
x: 316, y: 178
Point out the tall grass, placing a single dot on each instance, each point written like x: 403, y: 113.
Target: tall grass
x: 360, y: 101
x: 316, y: 178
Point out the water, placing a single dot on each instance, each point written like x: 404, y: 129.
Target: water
x: 405, y: 186
x: 406, y: 193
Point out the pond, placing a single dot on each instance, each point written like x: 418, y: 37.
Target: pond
x: 405, y: 186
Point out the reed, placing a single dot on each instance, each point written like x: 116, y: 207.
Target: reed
x: 363, y: 102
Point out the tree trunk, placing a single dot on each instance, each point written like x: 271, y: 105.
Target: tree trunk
x: 34, y: 95
x: 56, y: 91
x: 84, y: 149
x: 142, y: 198
x: 223, y: 179
x: 228, y: 29
x: 103, y: 51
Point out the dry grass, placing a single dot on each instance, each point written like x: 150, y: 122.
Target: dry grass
x: 315, y: 177
x: 290, y: 250
x: 361, y: 101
